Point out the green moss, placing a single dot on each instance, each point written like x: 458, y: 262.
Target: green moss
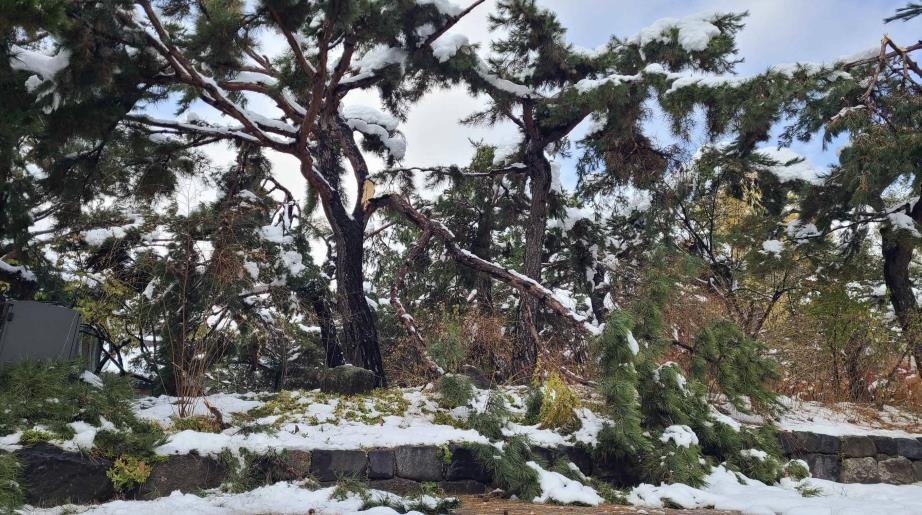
x: 200, y: 423
x: 34, y: 436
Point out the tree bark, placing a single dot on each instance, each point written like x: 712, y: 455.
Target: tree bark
x: 525, y: 350
x: 897, y: 254
x: 359, y: 330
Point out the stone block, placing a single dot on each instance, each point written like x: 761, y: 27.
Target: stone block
x: 381, y: 464
x: 823, y: 466
x: 857, y: 447
x: 859, y: 470
x: 909, y: 448
x: 463, y: 487
x: 896, y: 471
x: 885, y: 445
x: 52, y: 476
x: 420, y: 463
x: 396, y: 485
x: 333, y: 465
x: 464, y: 465
x: 188, y: 473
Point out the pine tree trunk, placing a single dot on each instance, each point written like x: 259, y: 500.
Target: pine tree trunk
x: 897, y: 253
x: 525, y: 351
x: 360, y: 335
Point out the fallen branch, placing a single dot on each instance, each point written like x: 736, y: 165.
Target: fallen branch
x: 405, y: 318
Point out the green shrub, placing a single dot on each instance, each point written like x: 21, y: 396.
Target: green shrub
x: 140, y: 440
x: 533, y: 401
x: 448, y: 349
x: 558, y: 406
x: 455, y: 390
x: 759, y: 465
x: 509, y: 468
x: 11, y: 496
x: 127, y: 473
x: 252, y: 470
x: 491, y: 420
x: 797, y: 470
x: 53, y: 395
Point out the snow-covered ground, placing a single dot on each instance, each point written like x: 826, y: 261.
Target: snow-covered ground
x: 809, y: 496
x: 313, y: 420
x: 846, y: 418
x: 280, y: 498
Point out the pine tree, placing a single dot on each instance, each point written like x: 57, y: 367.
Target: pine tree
x: 547, y: 87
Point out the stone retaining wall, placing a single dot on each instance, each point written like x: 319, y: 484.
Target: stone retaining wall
x: 52, y: 476
x: 856, y: 459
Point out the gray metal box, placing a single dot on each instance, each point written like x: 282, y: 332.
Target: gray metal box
x: 38, y: 331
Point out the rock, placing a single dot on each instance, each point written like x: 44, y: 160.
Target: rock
x: 544, y: 456
x: 859, y: 470
x: 463, y: 487
x: 823, y: 466
x: 799, y: 443
x: 917, y: 470
x: 885, y: 445
x: 332, y: 465
x: 299, y: 465
x: 790, y: 443
x: 396, y: 485
x: 347, y: 380
x: 476, y: 376
x: 188, y: 473
x: 909, y: 448
x: 896, y: 471
x: 422, y: 463
x: 823, y: 444
x: 52, y: 476
x: 857, y: 447
x: 381, y: 464
x: 464, y: 466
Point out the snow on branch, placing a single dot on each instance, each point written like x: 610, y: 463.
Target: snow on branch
x: 523, y: 283
x: 23, y: 272
x: 372, y: 122
x: 693, y: 33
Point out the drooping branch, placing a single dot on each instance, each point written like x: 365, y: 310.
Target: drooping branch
x: 521, y: 282
x: 405, y: 318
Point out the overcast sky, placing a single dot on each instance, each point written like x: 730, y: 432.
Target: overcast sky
x: 776, y: 32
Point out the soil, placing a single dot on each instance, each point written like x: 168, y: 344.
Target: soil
x: 478, y: 504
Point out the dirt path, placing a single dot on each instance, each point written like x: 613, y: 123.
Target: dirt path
x: 476, y: 505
